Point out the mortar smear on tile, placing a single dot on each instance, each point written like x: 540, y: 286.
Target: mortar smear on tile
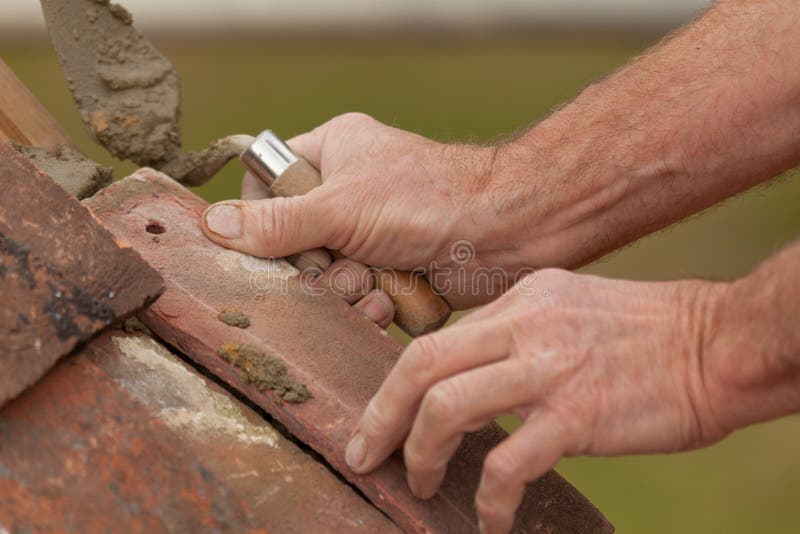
x: 265, y: 372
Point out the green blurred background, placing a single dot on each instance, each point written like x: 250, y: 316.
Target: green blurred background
x: 482, y: 89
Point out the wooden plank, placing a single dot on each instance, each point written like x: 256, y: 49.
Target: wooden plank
x: 23, y: 118
x: 127, y: 433
x: 25, y: 121
x: 338, y: 354
x: 63, y: 277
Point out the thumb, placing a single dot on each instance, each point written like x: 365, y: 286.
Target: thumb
x: 272, y: 227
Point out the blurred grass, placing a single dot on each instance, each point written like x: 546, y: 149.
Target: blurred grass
x: 484, y: 90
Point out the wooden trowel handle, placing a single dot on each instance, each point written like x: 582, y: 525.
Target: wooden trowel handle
x: 418, y: 308
x: 23, y: 118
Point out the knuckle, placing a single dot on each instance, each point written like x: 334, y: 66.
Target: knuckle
x: 414, y: 459
x: 521, y: 323
x: 421, y: 356
x: 527, y: 373
x: 500, y: 466
x: 552, y: 273
x: 351, y: 266
x: 322, y: 205
x: 571, y: 428
x: 353, y: 117
x: 279, y: 221
x: 346, y: 278
x: 486, y: 507
x: 542, y: 284
x: 442, y: 401
x: 376, y: 422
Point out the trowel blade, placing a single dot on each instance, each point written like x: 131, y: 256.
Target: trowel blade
x: 127, y: 92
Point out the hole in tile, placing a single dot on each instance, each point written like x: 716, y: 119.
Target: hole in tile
x: 155, y: 227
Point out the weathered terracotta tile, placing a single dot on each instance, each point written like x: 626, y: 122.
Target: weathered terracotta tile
x: 76, y: 452
x: 126, y: 435
x: 339, y: 355
x: 63, y: 277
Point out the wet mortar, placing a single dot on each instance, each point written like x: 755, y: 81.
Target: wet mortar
x: 127, y: 91
x: 78, y: 176
x: 265, y: 372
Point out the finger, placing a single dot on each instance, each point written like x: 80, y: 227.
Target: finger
x: 480, y: 314
x: 312, y: 263
x: 462, y: 403
x: 521, y: 458
x: 309, y: 145
x: 253, y: 188
x: 378, y: 307
x: 274, y: 227
x: 495, y: 309
x: 428, y: 359
x: 347, y: 279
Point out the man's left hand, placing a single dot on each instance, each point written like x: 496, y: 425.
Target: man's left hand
x: 592, y: 366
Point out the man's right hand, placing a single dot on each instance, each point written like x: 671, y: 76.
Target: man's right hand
x: 389, y: 198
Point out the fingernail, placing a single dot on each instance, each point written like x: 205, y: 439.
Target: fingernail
x: 225, y: 220
x: 356, y: 452
x: 376, y: 309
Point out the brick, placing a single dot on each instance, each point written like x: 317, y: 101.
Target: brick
x: 340, y: 355
x: 23, y: 118
x: 63, y: 277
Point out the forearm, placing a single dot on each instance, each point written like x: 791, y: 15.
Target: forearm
x: 752, y: 357
x: 710, y: 112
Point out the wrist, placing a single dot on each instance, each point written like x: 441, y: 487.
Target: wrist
x: 695, y: 324
x: 752, y: 360
x: 560, y: 184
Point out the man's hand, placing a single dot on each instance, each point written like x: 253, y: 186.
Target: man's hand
x: 390, y: 199
x: 346, y: 278
x: 592, y: 366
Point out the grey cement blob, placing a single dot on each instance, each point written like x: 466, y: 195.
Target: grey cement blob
x: 80, y: 177
x: 127, y: 92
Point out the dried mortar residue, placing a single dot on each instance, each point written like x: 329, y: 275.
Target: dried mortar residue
x: 148, y: 371
x: 232, y: 317
x: 133, y: 324
x: 265, y: 372
x: 78, y: 175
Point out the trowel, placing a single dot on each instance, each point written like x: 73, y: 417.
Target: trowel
x: 127, y: 92
x: 128, y: 96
